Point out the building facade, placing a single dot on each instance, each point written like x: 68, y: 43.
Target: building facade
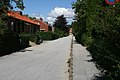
x: 17, y: 22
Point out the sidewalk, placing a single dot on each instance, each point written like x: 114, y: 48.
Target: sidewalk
x: 83, y: 68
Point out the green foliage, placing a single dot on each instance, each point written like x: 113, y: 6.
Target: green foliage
x: 99, y: 30
x: 75, y: 28
x: 9, y: 42
x: 24, y: 40
x: 36, y: 38
x: 61, y: 23
x: 2, y: 27
x: 60, y: 33
x: 48, y: 35
x: 87, y: 40
x: 7, y: 4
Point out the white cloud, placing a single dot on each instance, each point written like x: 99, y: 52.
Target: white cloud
x: 67, y: 12
x: 50, y: 20
x: 37, y: 16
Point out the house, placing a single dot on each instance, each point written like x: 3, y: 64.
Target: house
x: 21, y: 23
x: 43, y: 26
x: 17, y: 22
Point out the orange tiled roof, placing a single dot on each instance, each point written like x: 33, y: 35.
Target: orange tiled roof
x: 21, y: 17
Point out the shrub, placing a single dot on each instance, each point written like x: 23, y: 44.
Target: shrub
x: 55, y: 36
x: 61, y: 33
x: 48, y: 35
x: 24, y: 40
x: 86, y: 40
x: 9, y: 42
x: 78, y: 37
x: 36, y: 38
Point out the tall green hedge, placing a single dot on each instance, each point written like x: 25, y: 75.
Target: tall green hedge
x: 99, y: 30
x: 9, y: 42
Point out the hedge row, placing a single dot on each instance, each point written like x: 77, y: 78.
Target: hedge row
x: 48, y: 35
x: 99, y: 29
x: 11, y: 42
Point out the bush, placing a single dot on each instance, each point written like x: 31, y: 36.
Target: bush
x: 55, y: 36
x: 61, y: 33
x: 24, y: 40
x: 86, y: 40
x: 9, y: 42
x: 36, y: 38
x: 78, y: 37
x: 48, y: 35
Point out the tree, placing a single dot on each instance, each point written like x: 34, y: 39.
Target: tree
x: 7, y: 4
x: 80, y: 10
x: 75, y: 27
x: 61, y: 23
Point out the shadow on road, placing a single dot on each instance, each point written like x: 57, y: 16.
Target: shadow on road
x: 97, y: 76
x: 25, y: 50
x: 100, y: 76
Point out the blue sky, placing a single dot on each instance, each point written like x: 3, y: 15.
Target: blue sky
x: 48, y: 9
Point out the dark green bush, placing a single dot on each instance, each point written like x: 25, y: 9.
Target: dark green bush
x: 48, y: 35
x: 86, y: 40
x: 9, y: 42
x: 61, y: 33
x: 24, y: 40
x: 78, y: 37
x: 55, y: 36
x: 36, y: 38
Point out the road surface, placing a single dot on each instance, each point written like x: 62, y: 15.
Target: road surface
x: 47, y: 61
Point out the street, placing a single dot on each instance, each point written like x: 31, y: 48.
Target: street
x: 47, y: 61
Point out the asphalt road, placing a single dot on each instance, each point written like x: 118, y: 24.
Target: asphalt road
x: 47, y: 61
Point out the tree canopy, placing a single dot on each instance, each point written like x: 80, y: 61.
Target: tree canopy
x: 61, y: 23
x: 7, y: 5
